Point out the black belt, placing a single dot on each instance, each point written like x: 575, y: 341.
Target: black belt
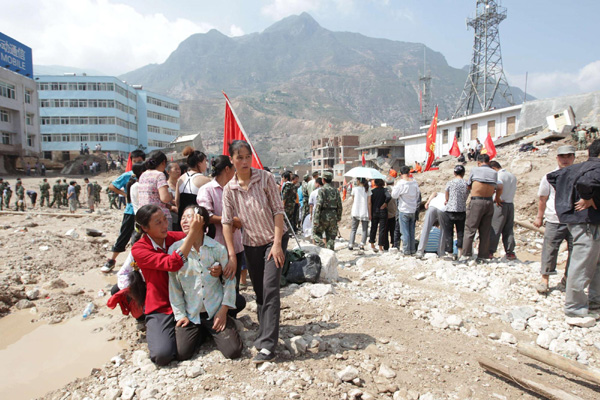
x: 481, y: 198
x: 203, y: 315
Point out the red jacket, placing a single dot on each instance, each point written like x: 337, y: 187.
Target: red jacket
x: 155, y: 266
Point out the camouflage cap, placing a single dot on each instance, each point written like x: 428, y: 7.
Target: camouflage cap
x: 327, y: 175
x: 306, y: 176
x: 566, y: 150
x: 58, y: 181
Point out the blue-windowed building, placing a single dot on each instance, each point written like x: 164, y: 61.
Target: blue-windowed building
x: 101, y: 110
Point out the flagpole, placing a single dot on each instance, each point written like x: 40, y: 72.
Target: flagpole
x: 254, y: 155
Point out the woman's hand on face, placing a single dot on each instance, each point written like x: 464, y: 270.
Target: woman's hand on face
x: 278, y: 255
x: 183, y: 322
x: 220, y: 319
x: 197, y: 225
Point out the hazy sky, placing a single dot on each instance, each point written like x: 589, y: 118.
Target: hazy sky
x: 555, y: 41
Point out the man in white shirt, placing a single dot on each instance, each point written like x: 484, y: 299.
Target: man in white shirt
x: 555, y: 232
x: 407, y: 192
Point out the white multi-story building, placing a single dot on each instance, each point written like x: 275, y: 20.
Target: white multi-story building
x: 91, y: 110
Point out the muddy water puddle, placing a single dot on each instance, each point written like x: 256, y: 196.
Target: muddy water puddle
x: 36, y: 358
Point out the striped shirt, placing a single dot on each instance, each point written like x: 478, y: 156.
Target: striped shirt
x: 256, y: 207
x: 210, y: 196
x: 193, y: 290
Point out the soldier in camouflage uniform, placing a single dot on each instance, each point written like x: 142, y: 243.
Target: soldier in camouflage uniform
x: 56, y: 192
x: 305, y: 196
x: 45, y: 192
x: 20, y: 193
x: 64, y: 189
x: 2, y: 187
x: 97, y: 192
x: 77, y: 192
x: 7, y: 195
x: 288, y: 194
x: 112, y: 198
x: 327, y: 213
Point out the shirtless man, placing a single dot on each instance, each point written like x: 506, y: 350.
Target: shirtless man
x: 482, y: 183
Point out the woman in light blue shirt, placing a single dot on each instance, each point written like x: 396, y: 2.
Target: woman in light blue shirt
x: 199, y: 300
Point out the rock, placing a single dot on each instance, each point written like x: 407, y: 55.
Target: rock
x: 147, y: 393
x: 320, y: 290
x: 454, y: 321
x: 420, y: 276
x: 148, y: 368
x: 523, y: 313
x: 520, y: 167
x: 545, y: 338
x: 473, y: 332
x: 128, y: 393
x: 355, y: 394
x: 44, y: 248
x: 298, y: 345
x: 27, y: 279
x: 140, y: 358
x: 117, y: 360
x: 348, y: 374
x: 386, y: 372
x: 367, y: 396
x: 519, y: 324
x: 438, y: 321
x: 33, y: 294
x: 294, y: 395
x: 329, y: 262
x: 566, y: 349
x: 583, y: 322
x: 493, y: 336
x: 508, y: 338
x: 538, y: 324
x: 112, y: 394
x: 56, y: 284
x: 23, y: 304
x: 266, y: 366
x: 428, y: 396
x: 72, y: 233
x: 194, y: 371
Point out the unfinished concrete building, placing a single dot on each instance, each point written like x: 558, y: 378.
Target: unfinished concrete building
x: 329, y: 151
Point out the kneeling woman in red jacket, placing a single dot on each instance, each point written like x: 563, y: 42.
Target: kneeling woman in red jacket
x: 150, y: 254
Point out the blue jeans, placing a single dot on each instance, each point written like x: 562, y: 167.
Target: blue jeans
x: 407, y: 228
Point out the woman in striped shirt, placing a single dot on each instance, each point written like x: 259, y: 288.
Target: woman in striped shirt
x: 253, y: 196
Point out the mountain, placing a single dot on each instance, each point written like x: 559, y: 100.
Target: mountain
x: 297, y: 80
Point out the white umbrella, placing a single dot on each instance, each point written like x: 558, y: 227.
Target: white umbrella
x: 364, y: 172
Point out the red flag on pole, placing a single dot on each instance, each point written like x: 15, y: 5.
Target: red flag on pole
x: 364, y: 161
x: 235, y: 131
x: 455, y: 150
x: 488, y: 147
x: 431, y: 139
x: 129, y: 166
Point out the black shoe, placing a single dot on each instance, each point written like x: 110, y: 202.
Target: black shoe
x: 263, y: 357
x: 108, y: 266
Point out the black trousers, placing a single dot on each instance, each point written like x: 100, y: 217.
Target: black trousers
x: 389, y: 236
x: 455, y: 219
x: 378, y: 224
x: 127, y: 227
x: 265, y: 278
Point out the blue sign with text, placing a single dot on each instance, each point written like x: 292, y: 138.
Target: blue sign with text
x: 15, y: 56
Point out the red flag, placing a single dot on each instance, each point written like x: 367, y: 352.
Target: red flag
x: 488, y: 147
x: 129, y: 166
x: 455, y: 150
x: 364, y: 161
x: 235, y: 131
x: 431, y: 138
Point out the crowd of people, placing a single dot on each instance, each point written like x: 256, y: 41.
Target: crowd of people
x: 197, y: 238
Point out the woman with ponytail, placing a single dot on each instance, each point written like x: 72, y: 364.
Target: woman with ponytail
x: 192, y: 180
x: 153, y: 187
x: 150, y: 254
x: 210, y: 196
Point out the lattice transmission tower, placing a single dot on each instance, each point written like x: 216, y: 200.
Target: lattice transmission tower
x: 425, y: 107
x: 486, y: 78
